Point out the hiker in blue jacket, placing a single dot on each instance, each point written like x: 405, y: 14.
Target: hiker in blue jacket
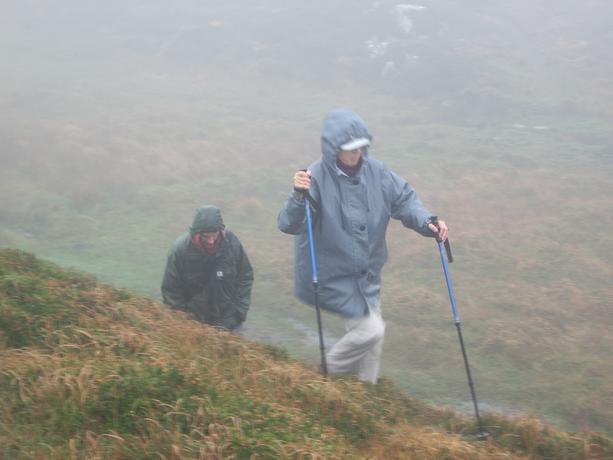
x: 354, y: 196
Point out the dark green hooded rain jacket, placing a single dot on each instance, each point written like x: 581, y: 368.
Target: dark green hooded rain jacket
x: 214, y: 288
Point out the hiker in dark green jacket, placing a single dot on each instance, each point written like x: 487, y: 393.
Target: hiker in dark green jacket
x: 208, y: 273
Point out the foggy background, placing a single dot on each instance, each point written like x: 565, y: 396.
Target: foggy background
x: 119, y: 119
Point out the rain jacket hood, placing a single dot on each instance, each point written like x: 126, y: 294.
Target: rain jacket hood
x: 339, y: 127
x: 350, y: 221
x: 207, y: 219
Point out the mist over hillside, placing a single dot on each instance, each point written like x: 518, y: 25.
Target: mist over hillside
x: 143, y: 81
x: 118, y: 119
x: 522, y: 54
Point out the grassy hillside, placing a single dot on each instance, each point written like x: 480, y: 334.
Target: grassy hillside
x: 92, y: 371
x: 120, y: 118
x: 532, y: 281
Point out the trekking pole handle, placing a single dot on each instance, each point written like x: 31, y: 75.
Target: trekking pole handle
x: 434, y: 221
x: 305, y: 192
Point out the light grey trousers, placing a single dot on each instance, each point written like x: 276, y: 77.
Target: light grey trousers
x: 358, y: 352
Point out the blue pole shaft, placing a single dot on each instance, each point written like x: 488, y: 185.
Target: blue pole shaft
x: 307, y: 208
x: 482, y: 434
x: 322, y: 348
x: 454, y: 307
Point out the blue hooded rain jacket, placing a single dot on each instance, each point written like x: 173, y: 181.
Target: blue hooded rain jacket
x: 349, y: 223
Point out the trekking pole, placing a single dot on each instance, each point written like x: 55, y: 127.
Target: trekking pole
x: 482, y: 434
x: 307, y: 208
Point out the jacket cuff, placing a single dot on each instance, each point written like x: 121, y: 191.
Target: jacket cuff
x: 298, y: 197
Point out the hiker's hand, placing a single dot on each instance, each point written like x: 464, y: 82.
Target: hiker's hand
x: 442, y: 229
x: 302, y: 181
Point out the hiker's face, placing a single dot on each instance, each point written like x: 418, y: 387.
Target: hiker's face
x: 349, y: 157
x: 208, y: 238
